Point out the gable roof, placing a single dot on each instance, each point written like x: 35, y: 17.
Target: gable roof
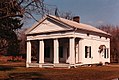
x: 70, y: 23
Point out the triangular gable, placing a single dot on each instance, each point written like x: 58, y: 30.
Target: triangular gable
x: 47, y: 25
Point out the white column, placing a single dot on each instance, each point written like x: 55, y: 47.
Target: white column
x: 28, y: 56
x: 56, y: 51
x: 80, y: 50
x: 72, y: 50
x: 41, y: 51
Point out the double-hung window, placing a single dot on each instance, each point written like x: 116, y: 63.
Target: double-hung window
x: 106, y: 53
x: 87, y: 51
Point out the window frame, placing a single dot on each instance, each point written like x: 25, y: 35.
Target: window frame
x: 106, y: 53
x: 87, y: 51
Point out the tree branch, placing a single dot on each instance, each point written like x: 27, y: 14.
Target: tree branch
x: 6, y: 16
x: 32, y: 16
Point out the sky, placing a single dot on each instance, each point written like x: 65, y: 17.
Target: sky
x: 93, y: 12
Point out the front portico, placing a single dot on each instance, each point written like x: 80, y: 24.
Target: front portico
x: 53, y: 51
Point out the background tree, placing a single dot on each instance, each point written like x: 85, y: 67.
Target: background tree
x: 11, y: 15
x: 67, y: 15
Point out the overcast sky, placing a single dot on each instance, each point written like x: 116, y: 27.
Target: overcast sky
x: 94, y: 12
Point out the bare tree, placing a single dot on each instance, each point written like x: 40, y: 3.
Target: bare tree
x: 67, y: 15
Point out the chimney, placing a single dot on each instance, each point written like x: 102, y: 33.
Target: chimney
x: 76, y: 19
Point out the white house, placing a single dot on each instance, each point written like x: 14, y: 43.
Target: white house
x: 66, y: 43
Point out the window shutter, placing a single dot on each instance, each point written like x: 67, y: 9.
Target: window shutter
x: 90, y: 52
x: 107, y: 53
x: 86, y: 51
x: 104, y: 53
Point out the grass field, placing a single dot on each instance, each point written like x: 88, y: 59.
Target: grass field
x: 18, y: 71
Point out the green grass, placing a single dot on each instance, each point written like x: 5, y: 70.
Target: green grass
x: 18, y: 71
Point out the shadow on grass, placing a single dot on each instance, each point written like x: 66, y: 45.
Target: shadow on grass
x: 26, y: 76
x: 5, y: 68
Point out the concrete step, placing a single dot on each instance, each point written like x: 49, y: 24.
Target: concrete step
x: 61, y: 65
x: 48, y: 65
x: 33, y: 65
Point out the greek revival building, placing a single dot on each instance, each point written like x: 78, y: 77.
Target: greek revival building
x: 66, y: 43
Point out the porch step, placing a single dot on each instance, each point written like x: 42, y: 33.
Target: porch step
x: 61, y: 65
x: 48, y: 65
x: 33, y: 65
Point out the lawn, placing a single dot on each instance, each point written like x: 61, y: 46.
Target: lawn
x: 18, y: 71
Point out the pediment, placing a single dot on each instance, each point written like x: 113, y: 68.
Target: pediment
x: 48, y: 25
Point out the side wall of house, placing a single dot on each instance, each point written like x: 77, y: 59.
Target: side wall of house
x: 94, y: 42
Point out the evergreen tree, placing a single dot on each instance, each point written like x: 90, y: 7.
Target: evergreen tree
x: 10, y: 15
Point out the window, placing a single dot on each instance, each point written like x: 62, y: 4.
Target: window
x: 47, y: 52
x: 87, y: 34
x: 87, y: 51
x: 61, y: 51
x: 106, y: 53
